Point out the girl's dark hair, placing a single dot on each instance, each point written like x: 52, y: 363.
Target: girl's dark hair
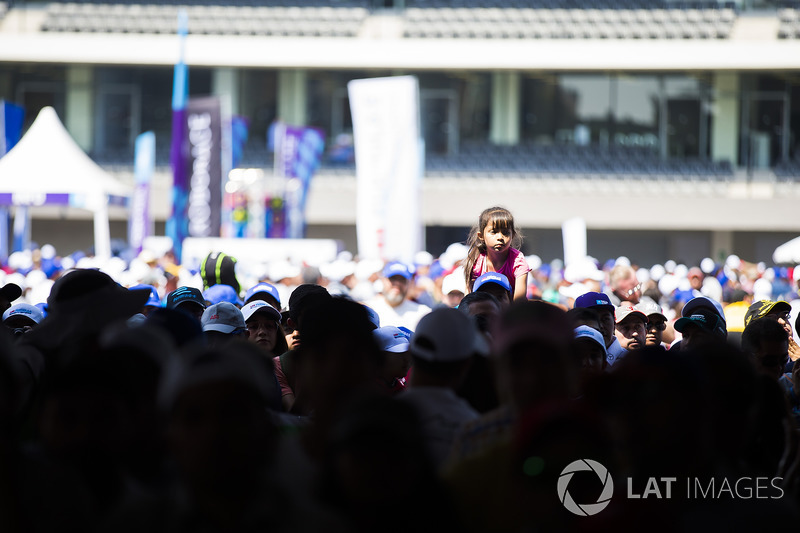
x: 500, y: 218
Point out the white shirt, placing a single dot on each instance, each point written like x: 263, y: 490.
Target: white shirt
x: 407, y: 314
x: 615, y: 352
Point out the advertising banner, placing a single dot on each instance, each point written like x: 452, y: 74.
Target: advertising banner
x: 144, y: 162
x: 203, y: 147
x: 298, y: 151
x: 389, y: 167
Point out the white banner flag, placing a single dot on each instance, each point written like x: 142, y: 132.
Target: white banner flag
x: 389, y: 167
x: 573, y: 232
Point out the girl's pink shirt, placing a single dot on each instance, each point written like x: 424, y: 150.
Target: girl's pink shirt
x: 514, y: 267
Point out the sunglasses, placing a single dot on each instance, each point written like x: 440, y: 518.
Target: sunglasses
x: 658, y: 326
x: 634, y: 290
x: 776, y: 316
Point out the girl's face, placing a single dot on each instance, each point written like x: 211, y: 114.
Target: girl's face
x: 496, y: 239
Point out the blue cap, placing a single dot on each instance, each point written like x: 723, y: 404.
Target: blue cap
x: 221, y: 293
x: 594, y: 299
x: 396, y: 268
x: 152, y: 299
x: 593, y: 334
x: 491, y: 277
x: 262, y: 287
x: 182, y: 295
x: 436, y: 270
x: 703, y: 302
x: 43, y: 308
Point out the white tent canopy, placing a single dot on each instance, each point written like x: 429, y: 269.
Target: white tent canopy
x: 788, y: 252
x: 47, y: 167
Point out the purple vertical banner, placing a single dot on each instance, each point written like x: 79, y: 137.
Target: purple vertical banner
x: 177, y: 227
x: 204, y: 145
x: 297, y: 156
x: 144, y: 161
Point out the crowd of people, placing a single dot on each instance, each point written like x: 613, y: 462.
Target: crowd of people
x: 448, y: 394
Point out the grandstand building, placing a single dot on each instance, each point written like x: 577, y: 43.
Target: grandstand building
x: 672, y: 128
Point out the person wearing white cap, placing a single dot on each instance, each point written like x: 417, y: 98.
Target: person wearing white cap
x: 22, y: 317
x: 453, y: 289
x: 263, y: 327
x: 630, y: 329
x: 442, y: 347
x: 656, y: 322
x: 393, y: 342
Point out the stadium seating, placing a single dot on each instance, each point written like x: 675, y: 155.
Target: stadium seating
x: 528, y: 160
x: 581, y: 20
x: 467, y: 19
x: 301, y: 19
x: 789, y: 23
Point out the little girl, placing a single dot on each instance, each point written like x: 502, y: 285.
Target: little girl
x: 494, y: 247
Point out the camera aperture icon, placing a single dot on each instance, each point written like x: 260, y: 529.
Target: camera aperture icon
x: 585, y: 509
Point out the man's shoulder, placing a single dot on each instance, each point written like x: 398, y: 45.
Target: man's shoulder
x: 613, y: 298
x: 410, y: 306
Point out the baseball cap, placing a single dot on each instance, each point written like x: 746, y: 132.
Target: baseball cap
x: 391, y: 339
x: 447, y: 335
x: 11, y: 291
x: 153, y: 299
x: 260, y: 306
x: 762, y: 308
x: 24, y: 310
x: 703, y: 302
x: 585, y: 332
x: 621, y: 313
x: 223, y: 317
x: 594, y: 299
x: 221, y: 293
x: 492, y: 277
x: 253, y: 292
x: 182, y: 295
x: 373, y: 316
x: 650, y: 308
x: 704, y: 318
x: 396, y: 268
x: 453, y: 282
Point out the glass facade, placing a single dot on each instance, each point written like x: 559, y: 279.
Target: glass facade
x: 672, y: 115
x: 622, y: 110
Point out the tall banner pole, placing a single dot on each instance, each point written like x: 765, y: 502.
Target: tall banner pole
x: 177, y: 227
